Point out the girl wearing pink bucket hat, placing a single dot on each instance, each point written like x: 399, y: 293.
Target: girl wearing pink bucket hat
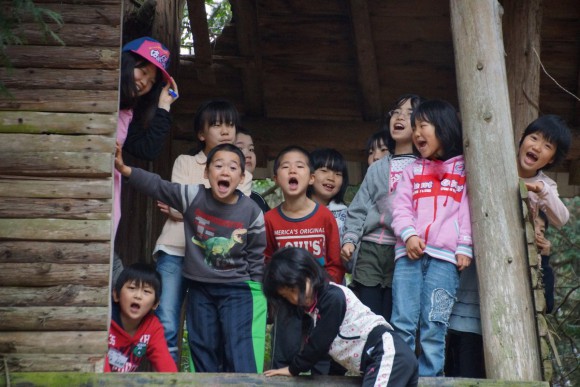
x: 146, y: 94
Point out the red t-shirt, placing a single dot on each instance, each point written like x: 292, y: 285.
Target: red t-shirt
x: 317, y: 233
x: 126, y: 353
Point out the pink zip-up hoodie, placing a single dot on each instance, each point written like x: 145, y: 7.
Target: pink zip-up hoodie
x: 431, y: 202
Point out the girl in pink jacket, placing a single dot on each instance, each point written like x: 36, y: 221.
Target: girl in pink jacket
x: 432, y: 223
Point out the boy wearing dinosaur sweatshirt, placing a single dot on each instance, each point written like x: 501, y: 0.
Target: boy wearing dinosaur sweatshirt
x: 224, y: 261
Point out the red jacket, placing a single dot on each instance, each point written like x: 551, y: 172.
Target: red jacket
x: 126, y: 353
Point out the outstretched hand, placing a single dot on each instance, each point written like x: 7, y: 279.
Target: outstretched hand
x: 535, y: 187
x: 278, y: 372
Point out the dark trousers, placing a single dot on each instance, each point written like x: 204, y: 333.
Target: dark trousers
x: 378, y: 299
x: 388, y: 361
x: 219, y: 326
x: 288, y: 336
x: 465, y: 355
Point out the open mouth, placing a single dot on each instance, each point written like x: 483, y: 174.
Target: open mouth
x: 223, y: 186
x: 293, y: 183
x: 420, y: 144
x: 135, y: 307
x: 328, y: 187
x: 399, y: 126
x: 532, y: 156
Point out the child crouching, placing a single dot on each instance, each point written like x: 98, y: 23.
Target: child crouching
x: 135, y: 332
x: 344, y: 328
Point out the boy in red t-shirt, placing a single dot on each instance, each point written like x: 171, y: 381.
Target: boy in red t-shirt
x: 299, y: 222
x: 135, y: 332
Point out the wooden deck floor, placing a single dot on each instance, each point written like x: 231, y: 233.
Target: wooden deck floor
x: 21, y: 379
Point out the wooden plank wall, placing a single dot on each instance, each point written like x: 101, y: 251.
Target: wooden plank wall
x: 57, y: 136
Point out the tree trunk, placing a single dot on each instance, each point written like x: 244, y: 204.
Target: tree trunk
x: 507, y: 311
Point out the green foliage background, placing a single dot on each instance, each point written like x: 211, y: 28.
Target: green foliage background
x: 565, y: 319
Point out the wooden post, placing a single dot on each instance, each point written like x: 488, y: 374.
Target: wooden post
x: 522, y: 24
x: 507, y: 312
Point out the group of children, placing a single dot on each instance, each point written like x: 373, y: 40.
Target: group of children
x: 406, y: 239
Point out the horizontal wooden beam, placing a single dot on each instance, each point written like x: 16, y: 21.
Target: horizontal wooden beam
x: 62, y: 57
x: 137, y: 379
x: 53, y: 318
x: 52, y: 274
x: 70, y: 79
x: 55, y: 208
x: 55, y: 229
x: 72, y: 342
x: 55, y: 143
x: 65, y: 187
x: 61, y: 100
x: 61, y: 295
x: 78, y: 164
x: 62, y: 123
x: 55, y: 252
x: 18, y: 362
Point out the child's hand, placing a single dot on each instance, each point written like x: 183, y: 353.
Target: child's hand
x: 346, y: 251
x: 280, y: 372
x: 544, y: 245
x: 164, y: 208
x: 415, y: 247
x: 463, y: 261
x: 119, y: 164
x: 165, y: 98
x: 536, y: 187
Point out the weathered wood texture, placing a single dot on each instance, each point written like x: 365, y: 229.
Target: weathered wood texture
x: 510, y: 344
x: 57, y: 136
x: 59, y: 295
x: 522, y: 23
x: 56, y: 318
x: 71, y: 342
x: 18, y: 379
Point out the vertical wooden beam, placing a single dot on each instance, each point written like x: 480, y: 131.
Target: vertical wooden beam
x: 200, y: 31
x: 246, y: 21
x: 522, y: 24
x: 368, y: 75
x: 507, y: 311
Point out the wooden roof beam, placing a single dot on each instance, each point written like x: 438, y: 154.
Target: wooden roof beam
x: 201, y: 42
x: 368, y: 75
x: 246, y: 21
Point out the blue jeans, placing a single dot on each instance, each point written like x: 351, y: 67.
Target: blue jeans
x: 172, y: 295
x: 423, y: 297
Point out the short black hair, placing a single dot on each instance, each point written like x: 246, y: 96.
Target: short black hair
x: 288, y: 149
x: 334, y: 160
x: 213, y: 111
x: 416, y: 100
x: 375, y: 140
x: 290, y: 267
x: 554, y: 130
x: 443, y: 116
x: 243, y: 130
x: 227, y: 148
x: 142, y: 274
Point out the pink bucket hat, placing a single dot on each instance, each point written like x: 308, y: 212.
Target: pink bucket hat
x: 151, y: 50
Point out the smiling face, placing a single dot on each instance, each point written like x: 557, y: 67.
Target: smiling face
x: 326, y: 185
x: 293, y: 175
x: 377, y: 151
x: 135, y: 302
x: 534, y: 154
x: 246, y: 144
x: 224, y: 174
x: 145, y: 77
x: 217, y: 133
x: 426, y: 141
x: 400, y: 127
